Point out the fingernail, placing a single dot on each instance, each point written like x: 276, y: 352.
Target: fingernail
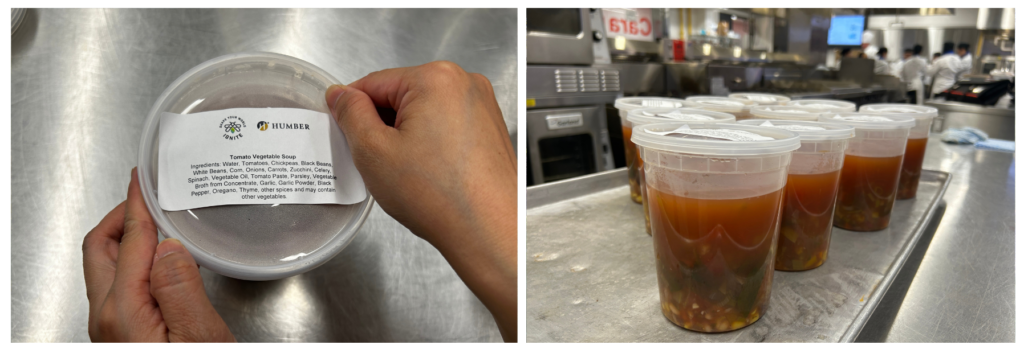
x: 167, y: 247
x: 333, y: 93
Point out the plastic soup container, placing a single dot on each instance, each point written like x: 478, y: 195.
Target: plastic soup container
x: 735, y: 106
x: 824, y: 105
x: 784, y: 112
x: 761, y: 98
x: 913, y: 159
x: 250, y: 242
x: 715, y: 194
x: 625, y: 105
x: 810, y: 197
x: 645, y: 116
x: 871, y: 169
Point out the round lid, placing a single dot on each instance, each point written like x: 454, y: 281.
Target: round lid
x: 664, y: 115
x: 720, y: 104
x: 715, y: 138
x: 785, y: 112
x: 824, y: 105
x: 869, y: 120
x: 917, y: 111
x: 808, y: 130
x: 761, y: 98
x: 630, y: 103
x: 251, y: 242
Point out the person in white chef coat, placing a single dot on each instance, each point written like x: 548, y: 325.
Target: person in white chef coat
x: 913, y: 73
x: 882, y: 62
x: 944, y: 70
x: 966, y: 60
x: 867, y: 44
x: 896, y: 68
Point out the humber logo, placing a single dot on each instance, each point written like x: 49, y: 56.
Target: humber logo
x: 264, y: 126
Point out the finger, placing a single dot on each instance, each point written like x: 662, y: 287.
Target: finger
x: 135, y: 256
x: 99, y: 254
x: 176, y: 285
x: 386, y: 88
x: 357, y: 117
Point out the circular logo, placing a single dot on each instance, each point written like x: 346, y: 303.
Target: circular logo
x: 263, y: 125
x: 232, y: 127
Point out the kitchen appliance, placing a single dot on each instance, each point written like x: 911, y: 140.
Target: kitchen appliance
x: 565, y: 143
x: 978, y: 91
x: 560, y: 36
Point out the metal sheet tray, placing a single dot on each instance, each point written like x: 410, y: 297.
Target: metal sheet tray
x: 590, y: 270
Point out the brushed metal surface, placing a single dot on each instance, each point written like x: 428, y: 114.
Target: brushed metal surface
x: 82, y: 82
x: 996, y: 122
x: 964, y: 288
x: 590, y: 275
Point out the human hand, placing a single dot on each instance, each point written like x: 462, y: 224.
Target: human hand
x: 141, y: 291
x: 446, y: 170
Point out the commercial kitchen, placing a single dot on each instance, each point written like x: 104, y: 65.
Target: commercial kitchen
x: 938, y: 268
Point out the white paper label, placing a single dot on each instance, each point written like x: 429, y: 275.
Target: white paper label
x: 862, y: 118
x: 683, y: 116
x: 721, y: 134
x: 893, y: 110
x: 793, y: 127
x: 721, y: 102
x: 248, y: 156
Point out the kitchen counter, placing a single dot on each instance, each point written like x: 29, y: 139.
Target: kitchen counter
x: 963, y: 286
x: 83, y: 81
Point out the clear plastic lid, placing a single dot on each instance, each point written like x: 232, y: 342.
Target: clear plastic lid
x: 917, y: 111
x: 824, y: 105
x: 785, y: 112
x: 870, y: 120
x: 251, y: 242
x: 808, y: 130
x: 720, y: 104
x: 630, y: 103
x: 715, y: 138
x: 761, y: 98
x: 664, y: 115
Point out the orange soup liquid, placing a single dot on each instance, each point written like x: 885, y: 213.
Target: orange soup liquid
x: 867, y: 192
x: 631, y: 158
x: 643, y: 194
x: 806, y: 221
x: 910, y: 174
x: 715, y: 258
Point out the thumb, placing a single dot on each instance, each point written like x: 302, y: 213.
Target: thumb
x: 176, y: 285
x: 357, y: 117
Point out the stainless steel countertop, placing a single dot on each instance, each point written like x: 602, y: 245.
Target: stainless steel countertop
x: 964, y: 288
x: 82, y: 83
x: 953, y: 106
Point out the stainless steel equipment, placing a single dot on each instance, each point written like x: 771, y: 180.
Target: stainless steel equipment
x: 564, y: 143
x: 83, y: 79
x: 559, y: 36
x: 996, y: 122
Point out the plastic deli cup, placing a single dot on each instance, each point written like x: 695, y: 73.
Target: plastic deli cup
x: 871, y: 169
x: 784, y: 112
x: 811, y: 189
x: 625, y: 105
x: 761, y: 98
x: 913, y: 159
x: 735, y: 106
x: 250, y: 242
x: 638, y: 117
x: 715, y: 194
x: 824, y: 105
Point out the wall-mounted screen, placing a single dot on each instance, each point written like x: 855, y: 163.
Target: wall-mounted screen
x: 846, y: 30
